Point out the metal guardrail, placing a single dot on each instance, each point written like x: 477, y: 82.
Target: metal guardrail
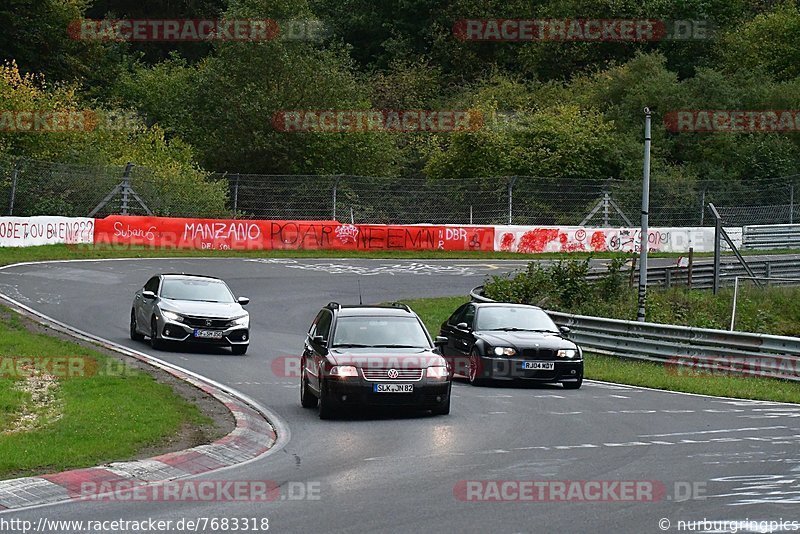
x: 703, y: 273
x: 770, y: 237
x: 696, y: 349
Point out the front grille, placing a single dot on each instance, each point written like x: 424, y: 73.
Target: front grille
x: 201, y: 322
x: 539, y: 354
x: 403, y: 375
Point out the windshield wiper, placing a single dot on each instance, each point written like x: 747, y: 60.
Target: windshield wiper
x: 351, y: 346
x: 399, y: 346
x: 514, y: 329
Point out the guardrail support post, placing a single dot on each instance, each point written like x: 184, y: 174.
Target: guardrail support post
x: 691, y: 268
x: 668, y: 278
x: 767, y: 270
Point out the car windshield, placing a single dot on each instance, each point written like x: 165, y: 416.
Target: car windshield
x: 199, y: 289
x: 514, y: 318
x: 395, y: 332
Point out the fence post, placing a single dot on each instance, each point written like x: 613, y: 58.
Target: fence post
x: 717, y: 246
x: 606, y: 198
x: 14, y: 174
x: 335, y: 187
x: 236, y: 196
x: 126, y: 187
x: 703, y: 207
x: 691, y: 267
x: 510, y: 197
x: 791, y: 204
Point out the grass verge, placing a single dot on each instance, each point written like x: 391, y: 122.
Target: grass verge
x: 96, y: 408
x: 434, y: 311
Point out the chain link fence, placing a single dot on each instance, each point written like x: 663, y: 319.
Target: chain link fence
x: 29, y: 187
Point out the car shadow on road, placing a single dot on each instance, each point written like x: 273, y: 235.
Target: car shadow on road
x: 186, y: 348
x: 518, y: 384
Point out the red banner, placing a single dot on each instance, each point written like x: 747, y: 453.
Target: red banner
x: 218, y: 234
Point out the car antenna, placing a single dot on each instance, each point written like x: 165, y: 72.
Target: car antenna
x: 360, y: 302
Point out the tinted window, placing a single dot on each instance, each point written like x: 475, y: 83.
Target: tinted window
x: 380, y: 332
x: 197, y: 289
x: 152, y: 285
x: 323, y: 327
x: 514, y: 318
x: 456, y: 314
x: 469, y: 316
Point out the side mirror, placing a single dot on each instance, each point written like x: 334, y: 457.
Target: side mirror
x: 319, y: 340
x: 564, y: 329
x: 148, y: 295
x: 463, y: 326
x: 244, y: 301
x: 439, y: 341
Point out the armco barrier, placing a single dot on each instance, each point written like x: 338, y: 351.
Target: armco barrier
x: 771, y: 237
x: 681, y: 346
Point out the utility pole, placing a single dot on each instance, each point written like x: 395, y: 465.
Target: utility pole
x: 644, y: 240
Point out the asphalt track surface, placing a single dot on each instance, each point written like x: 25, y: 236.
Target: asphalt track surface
x: 397, y: 471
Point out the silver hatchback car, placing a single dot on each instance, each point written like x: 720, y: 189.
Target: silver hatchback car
x: 192, y: 309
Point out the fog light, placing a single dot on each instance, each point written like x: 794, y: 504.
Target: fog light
x: 167, y: 332
x: 344, y: 398
x: 573, y: 371
x: 244, y: 337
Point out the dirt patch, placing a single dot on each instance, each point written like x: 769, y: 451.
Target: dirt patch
x: 190, y: 435
x: 43, y: 406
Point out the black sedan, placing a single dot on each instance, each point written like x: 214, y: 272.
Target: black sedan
x: 372, y: 355
x: 495, y: 341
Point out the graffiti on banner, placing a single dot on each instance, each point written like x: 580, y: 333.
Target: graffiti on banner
x: 35, y: 231
x: 532, y: 239
x: 211, y: 234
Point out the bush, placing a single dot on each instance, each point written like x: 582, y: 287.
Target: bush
x: 560, y: 286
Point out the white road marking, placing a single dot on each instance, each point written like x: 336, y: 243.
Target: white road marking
x: 713, y: 431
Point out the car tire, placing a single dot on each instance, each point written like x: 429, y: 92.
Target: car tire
x: 155, y: 343
x: 476, y: 369
x: 135, y: 335
x: 239, y: 350
x: 573, y: 385
x: 307, y: 398
x: 442, y: 409
x: 326, y: 409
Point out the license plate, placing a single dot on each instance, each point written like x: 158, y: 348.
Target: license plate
x: 539, y: 366
x: 208, y: 334
x: 393, y: 388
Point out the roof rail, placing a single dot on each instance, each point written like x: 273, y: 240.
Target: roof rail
x: 401, y: 305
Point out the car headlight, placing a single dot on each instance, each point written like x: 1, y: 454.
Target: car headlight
x: 567, y: 353
x: 244, y: 320
x: 437, y: 373
x: 344, y: 371
x: 172, y: 316
x: 504, y: 351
